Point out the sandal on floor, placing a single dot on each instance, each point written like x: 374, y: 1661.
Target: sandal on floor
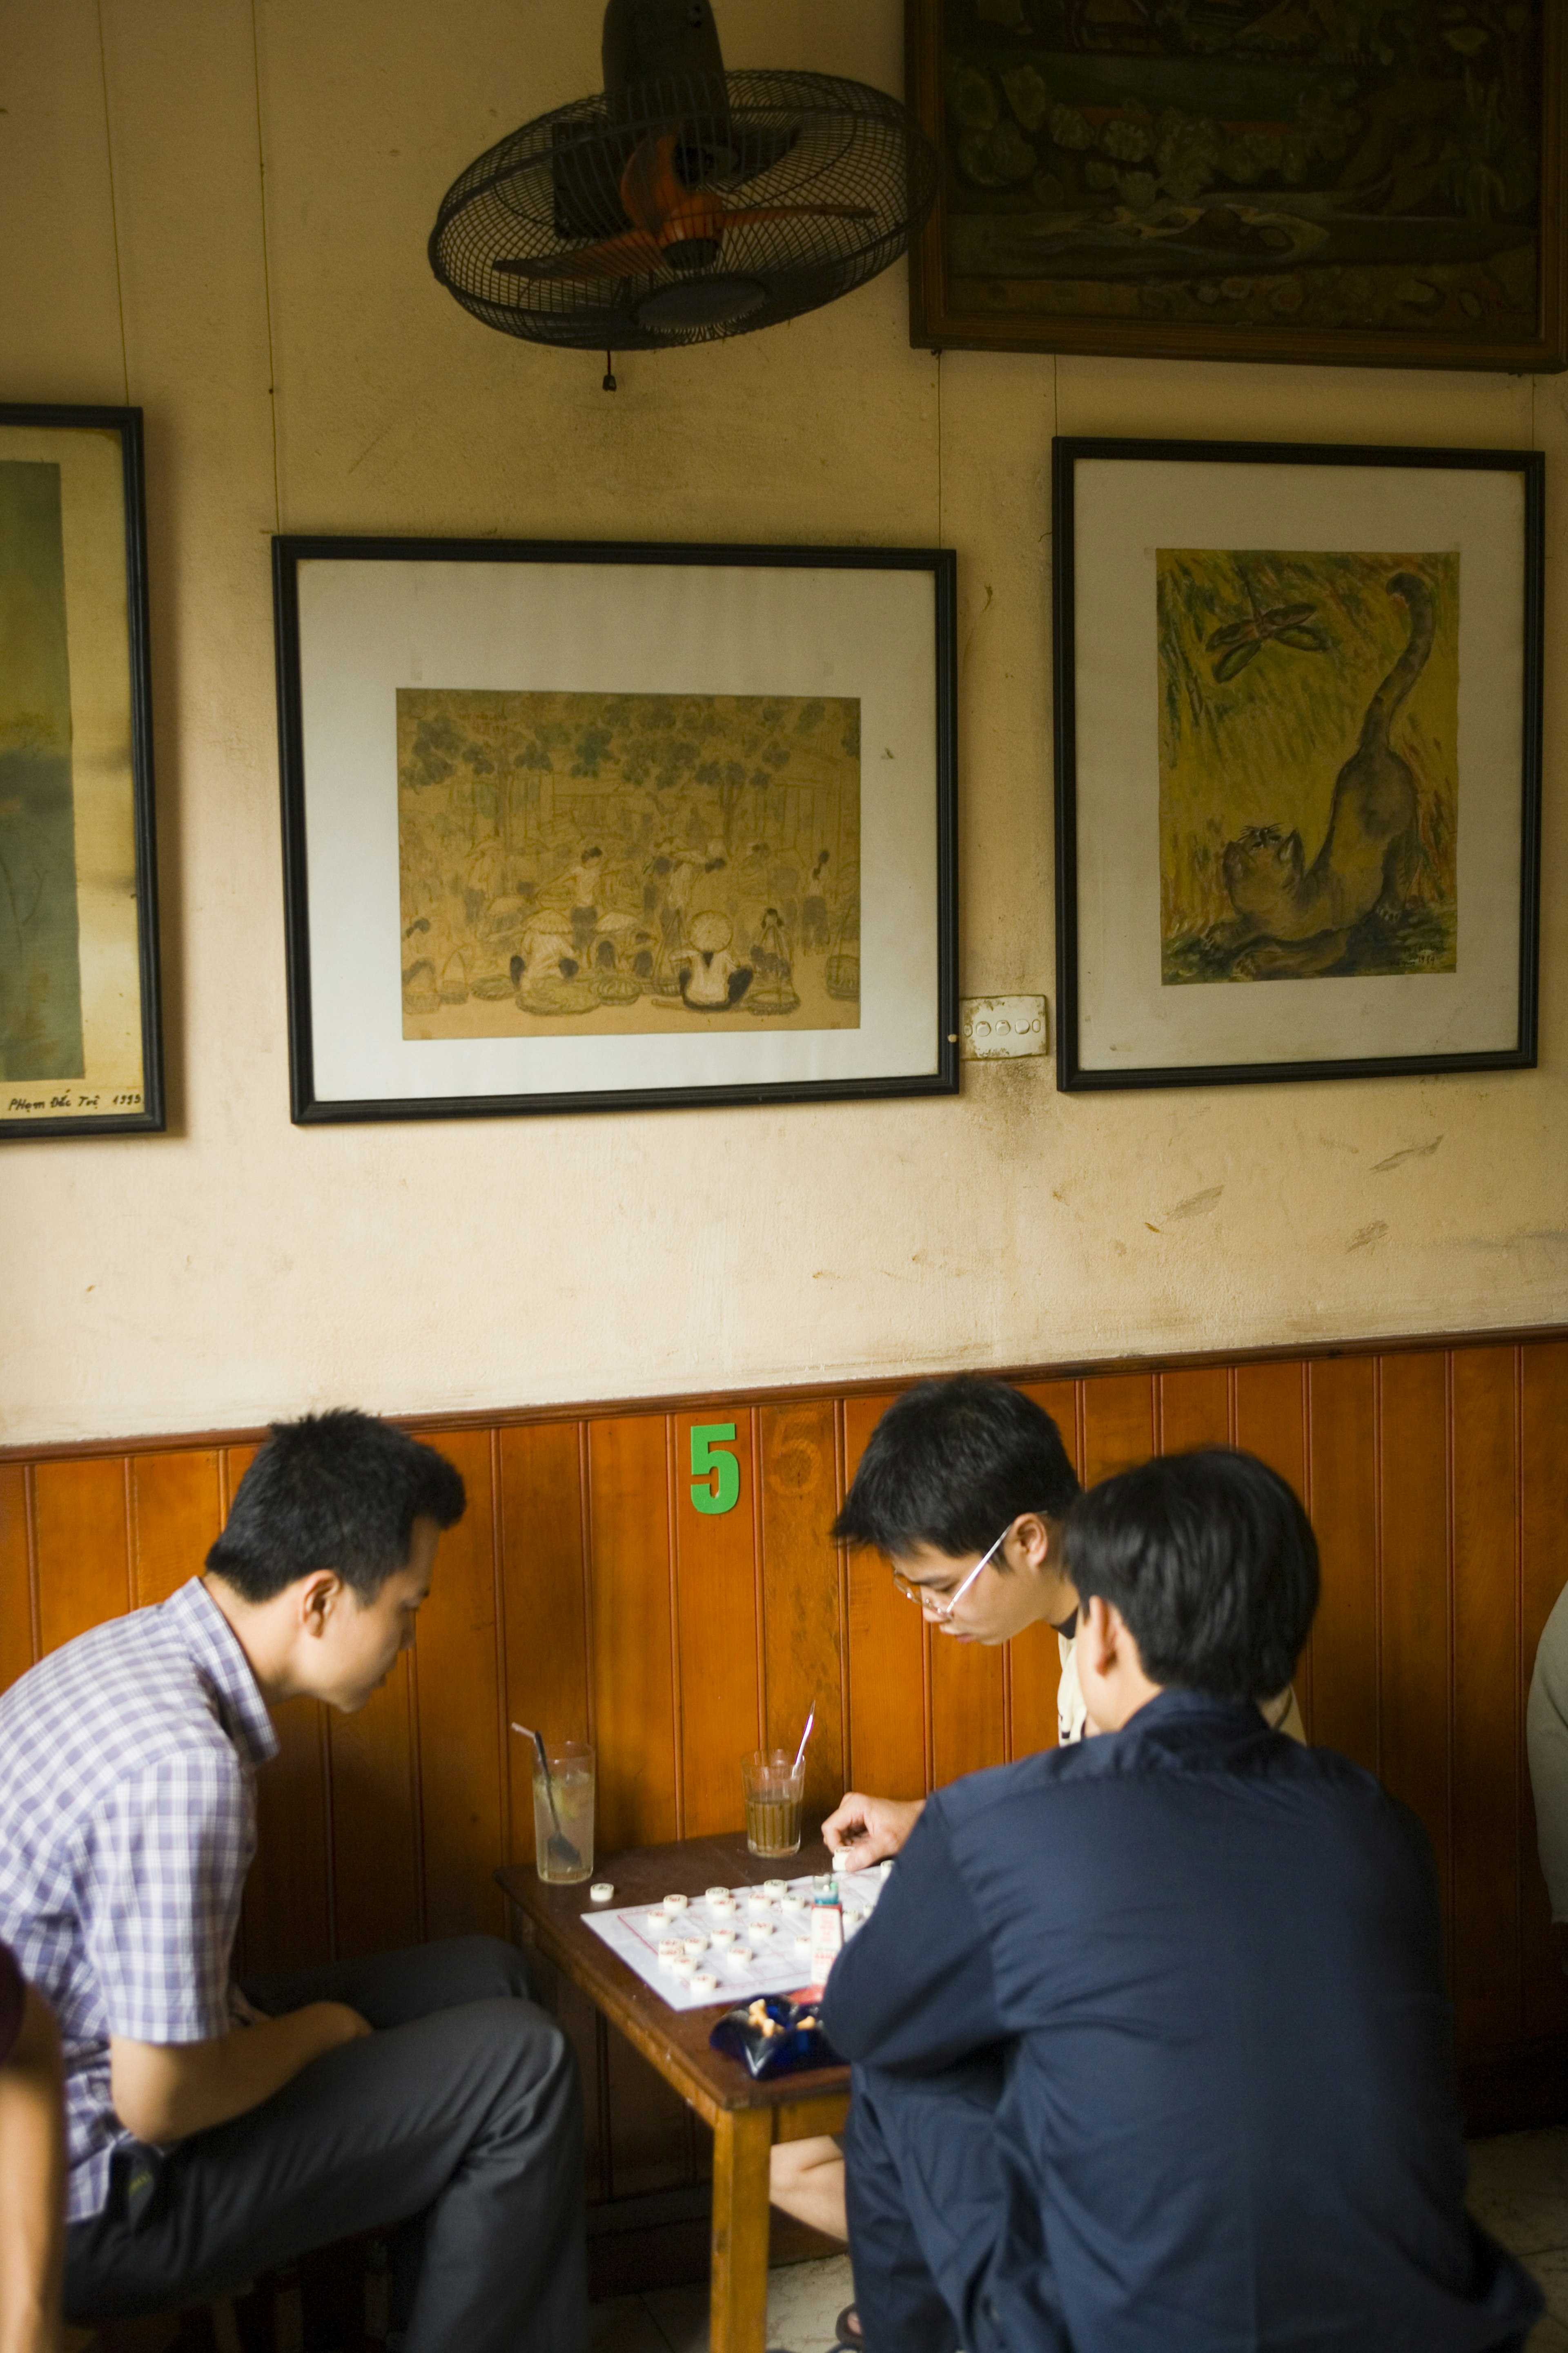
x: 849, y: 2333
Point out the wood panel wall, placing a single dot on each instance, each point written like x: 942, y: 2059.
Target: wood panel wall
x: 582, y: 1592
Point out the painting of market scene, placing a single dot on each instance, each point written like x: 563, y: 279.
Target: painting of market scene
x: 619, y: 863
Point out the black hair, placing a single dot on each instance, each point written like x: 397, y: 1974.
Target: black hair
x: 953, y: 1464
x: 1211, y: 1563
x: 337, y: 1491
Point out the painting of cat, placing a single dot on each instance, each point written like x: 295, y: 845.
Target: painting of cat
x: 1309, y: 764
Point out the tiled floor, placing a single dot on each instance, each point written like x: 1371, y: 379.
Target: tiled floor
x: 804, y: 2302
x: 1518, y: 2189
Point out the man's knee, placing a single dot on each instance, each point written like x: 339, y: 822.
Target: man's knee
x: 528, y: 2056
x: 480, y: 1968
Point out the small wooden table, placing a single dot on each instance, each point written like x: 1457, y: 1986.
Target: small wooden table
x: 747, y: 2117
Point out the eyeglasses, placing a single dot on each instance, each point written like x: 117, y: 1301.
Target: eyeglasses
x: 943, y: 1610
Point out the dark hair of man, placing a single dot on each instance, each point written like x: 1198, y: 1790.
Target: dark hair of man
x: 1211, y: 1563
x: 338, y: 1491
x: 953, y: 1464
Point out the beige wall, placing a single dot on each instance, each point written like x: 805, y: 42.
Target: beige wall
x: 221, y: 214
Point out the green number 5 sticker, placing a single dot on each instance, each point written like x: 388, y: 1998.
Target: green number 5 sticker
x: 711, y: 1461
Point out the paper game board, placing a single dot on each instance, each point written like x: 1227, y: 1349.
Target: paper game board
x: 780, y: 1959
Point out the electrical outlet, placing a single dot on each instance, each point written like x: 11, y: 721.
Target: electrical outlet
x: 997, y: 1028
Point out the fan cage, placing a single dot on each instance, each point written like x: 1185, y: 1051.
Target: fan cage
x: 756, y: 142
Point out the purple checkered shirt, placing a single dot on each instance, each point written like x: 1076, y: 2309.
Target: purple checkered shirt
x: 127, y: 1825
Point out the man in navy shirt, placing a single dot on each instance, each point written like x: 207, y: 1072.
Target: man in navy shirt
x: 1151, y: 2051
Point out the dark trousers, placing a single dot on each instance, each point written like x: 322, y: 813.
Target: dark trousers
x: 925, y: 2205
x: 459, y: 2119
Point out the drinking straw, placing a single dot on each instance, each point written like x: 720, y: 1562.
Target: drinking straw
x: 804, y: 1736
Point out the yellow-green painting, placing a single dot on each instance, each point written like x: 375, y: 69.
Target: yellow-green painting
x: 40, y: 967
x: 1309, y: 764
x: 616, y: 864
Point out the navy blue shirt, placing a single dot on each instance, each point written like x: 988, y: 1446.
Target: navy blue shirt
x: 1211, y: 1957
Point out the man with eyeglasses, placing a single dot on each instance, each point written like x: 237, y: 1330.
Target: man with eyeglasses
x: 963, y: 1487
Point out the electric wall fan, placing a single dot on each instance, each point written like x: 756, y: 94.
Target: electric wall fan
x: 685, y: 204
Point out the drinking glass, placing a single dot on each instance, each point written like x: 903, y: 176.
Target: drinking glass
x: 564, y: 1836
x: 773, y: 1793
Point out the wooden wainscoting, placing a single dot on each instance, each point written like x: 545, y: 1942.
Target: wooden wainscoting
x: 585, y: 1593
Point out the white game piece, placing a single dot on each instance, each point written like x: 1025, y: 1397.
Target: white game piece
x: 739, y: 1956
x: 704, y: 1981
x: 722, y: 1938
x: 675, y: 1903
x: 718, y: 1896
x: 792, y: 1904
x: 775, y: 1887
x: 683, y: 1968
x: 695, y: 1946
x: 724, y: 1905
x: 759, y: 1904
x: 803, y: 1944
x: 761, y: 1928
x: 601, y: 1892
x: 669, y: 1948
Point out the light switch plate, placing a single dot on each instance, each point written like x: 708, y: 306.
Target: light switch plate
x: 998, y: 1028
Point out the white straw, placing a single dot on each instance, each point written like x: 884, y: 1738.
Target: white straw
x: 804, y: 1736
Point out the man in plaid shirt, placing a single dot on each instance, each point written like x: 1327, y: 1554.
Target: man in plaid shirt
x: 214, y: 2132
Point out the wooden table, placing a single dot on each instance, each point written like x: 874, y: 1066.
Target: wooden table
x: 747, y: 2117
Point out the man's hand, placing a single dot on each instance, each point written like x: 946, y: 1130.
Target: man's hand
x: 164, y: 2091
x: 868, y: 1829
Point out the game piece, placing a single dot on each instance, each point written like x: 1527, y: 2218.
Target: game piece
x: 760, y: 1929
x: 716, y: 1895
x: 724, y: 1903
x: 602, y: 1892
x: 695, y: 1946
x: 758, y: 1904
x: 675, y: 1902
x: 803, y: 1944
x: 668, y: 1949
x: 792, y: 1904
x: 721, y: 1939
x: 704, y: 1982
x: 683, y: 1968
x: 739, y: 1956
x: 776, y: 1888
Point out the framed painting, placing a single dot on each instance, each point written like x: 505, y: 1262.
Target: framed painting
x: 583, y: 827
x: 1380, y: 184
x: 1298, y: 745
x: 80, y: 1036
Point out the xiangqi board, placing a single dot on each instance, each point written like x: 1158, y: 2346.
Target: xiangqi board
x: 774, y: 1932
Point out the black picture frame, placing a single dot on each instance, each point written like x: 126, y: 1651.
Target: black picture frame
x: 119, y: 1116
x: 1076, y: 1074
x: 311, y: 1105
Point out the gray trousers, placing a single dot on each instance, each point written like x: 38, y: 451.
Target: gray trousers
x: 459, y: 2119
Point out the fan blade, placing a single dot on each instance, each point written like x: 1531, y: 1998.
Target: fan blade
x: 614, y: 256
x: 651, y: 188
x: 795, y: 212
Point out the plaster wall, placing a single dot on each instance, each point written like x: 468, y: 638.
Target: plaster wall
x: 217, y: 210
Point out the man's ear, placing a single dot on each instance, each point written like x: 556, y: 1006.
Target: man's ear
x: 1032, y: 1535
x: 1102, y: 1631
x: 319, y: 1596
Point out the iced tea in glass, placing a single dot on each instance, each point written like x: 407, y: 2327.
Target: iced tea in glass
x: 774, y: 1793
